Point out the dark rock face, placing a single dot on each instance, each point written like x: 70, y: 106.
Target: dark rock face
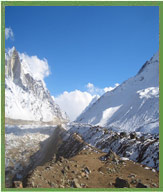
x: 121, y: 183
x: 142, y: 147
x: 142, y: 138
x: 72, y: 146
x: 123, y: 134
x: 132, y: 135
x: 14, y: 68
x: 141, y: 185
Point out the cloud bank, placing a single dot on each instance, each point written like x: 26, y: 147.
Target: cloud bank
x: 99, y: 91
x: 93, y: 90
x: 38, y: 67
x: 9, y: 34
x: 74, y: 102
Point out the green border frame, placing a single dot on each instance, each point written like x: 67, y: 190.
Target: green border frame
x: 78, y: 3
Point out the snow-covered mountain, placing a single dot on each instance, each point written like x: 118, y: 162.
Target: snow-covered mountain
x: 132, y: 106
x: 94, y: 99
x: 26, y: 97
x: 138, y: 147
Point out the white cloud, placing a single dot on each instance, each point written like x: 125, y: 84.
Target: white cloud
x: 106, y: 89
x: 99, y: 91
x: 90, y: 85
x: 94, y: 90
x: 9, y: 33
x: 74, y: 102
x: 38, y: 67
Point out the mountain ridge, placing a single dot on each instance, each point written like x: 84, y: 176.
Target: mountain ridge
x: 27, y: 97
x: 132, y: 106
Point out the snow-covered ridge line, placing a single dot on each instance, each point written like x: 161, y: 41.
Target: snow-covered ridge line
x: 139, y: 147
x: 132, y: 106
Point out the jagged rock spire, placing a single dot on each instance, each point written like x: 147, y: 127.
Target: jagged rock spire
x: 14, y: 67
x: 14, y: 48
x: 27, y: 98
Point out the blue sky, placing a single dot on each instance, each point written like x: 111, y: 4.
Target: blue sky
x: 97, y: 45
x: 100, y: 45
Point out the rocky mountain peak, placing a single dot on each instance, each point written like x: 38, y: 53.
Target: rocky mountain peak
x: 132, y: 106
x: 14, y: 67
x: 28, y: 98
x: 154, y: 59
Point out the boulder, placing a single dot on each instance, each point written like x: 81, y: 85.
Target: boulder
x: 61, y: 159
x: 83, y: 174
x: 75, y: 184
x: 106, y: 131
x: 133, y: 181
x: 154, y: 185
x: 67, y: 168
x: 141, y: 185
x: 132, y: 175
x: 110, y: 155
x: 123, y: 134
x: 63, y: 171
x: 87, y: 170
x: 18, y: 184
x: 133, y: 135
x: 113, y: 156
x: 102, y: 169
x: 142, y: 138
x: 121, y: 183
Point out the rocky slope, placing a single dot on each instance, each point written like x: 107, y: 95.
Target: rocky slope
x: 78, y: 164
x: 27, y: 98
x: 139, y: 147
x: 87, y: 170
x: 132, y: 106
x: 120, y: 150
